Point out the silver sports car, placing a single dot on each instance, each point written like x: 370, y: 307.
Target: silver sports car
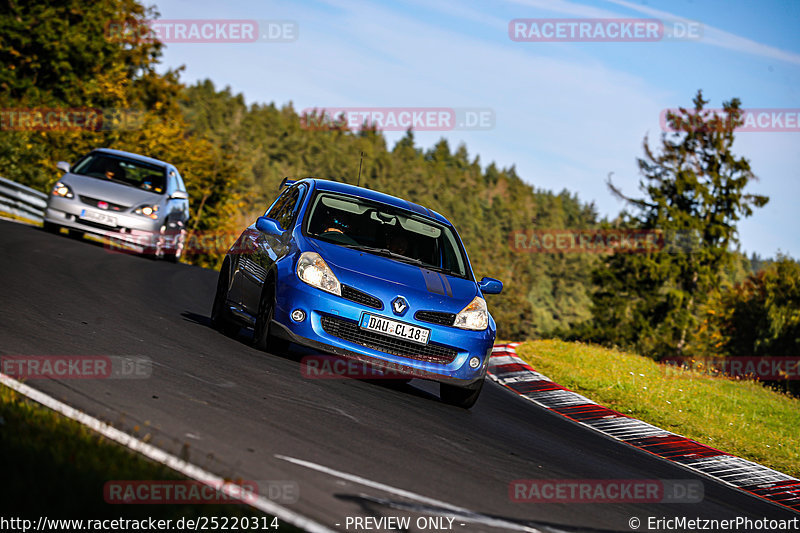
x: 131, y: 199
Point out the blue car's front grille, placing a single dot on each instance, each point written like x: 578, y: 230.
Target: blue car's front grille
x: 349, y: 331
x: 436, y: 317
x: 361, y: 297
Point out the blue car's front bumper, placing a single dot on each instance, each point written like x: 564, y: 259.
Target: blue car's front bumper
x: 292, y: 294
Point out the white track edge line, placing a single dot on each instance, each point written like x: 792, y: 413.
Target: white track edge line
x: 475, y: 516
x: 157, y: 454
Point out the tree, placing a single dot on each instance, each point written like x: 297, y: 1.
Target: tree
x: 79, y: 58
x: 71, y: 62
x: 761, y: 315
x: 757, y: 317
x: 694, y: 193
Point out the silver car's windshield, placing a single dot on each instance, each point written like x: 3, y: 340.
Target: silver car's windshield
x: 384, y: 230
x: 129, y: 172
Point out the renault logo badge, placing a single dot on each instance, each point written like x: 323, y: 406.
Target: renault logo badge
x: 399, y: 306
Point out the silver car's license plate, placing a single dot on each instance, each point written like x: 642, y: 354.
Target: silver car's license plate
x: 387, y: 326
x: 99, y: 218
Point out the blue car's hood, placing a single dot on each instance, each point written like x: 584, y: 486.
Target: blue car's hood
x: 386, y: 278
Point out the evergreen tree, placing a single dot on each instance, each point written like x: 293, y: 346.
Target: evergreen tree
x: 694, y: 192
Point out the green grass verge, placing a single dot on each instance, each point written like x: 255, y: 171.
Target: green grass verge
x: 739, y: 417
x: 57, y: 467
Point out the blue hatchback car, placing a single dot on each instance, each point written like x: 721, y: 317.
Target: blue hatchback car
x: 363, y: 275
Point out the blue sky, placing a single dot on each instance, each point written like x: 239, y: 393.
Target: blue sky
x: 566, y: 114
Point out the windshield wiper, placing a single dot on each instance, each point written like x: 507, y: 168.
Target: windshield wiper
x: 383, y: 251
x: 400, y: 257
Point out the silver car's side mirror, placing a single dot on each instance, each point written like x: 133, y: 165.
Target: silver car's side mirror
x: 179, y: 195
x: 63, y: 165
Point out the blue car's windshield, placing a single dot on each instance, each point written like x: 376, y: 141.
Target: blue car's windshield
x: 384, y: 230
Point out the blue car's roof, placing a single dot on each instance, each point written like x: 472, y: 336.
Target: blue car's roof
x: 368, y: 194
x: 131, y: 156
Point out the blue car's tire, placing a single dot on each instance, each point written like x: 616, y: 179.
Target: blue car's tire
x: 220, y: 315
x: 460, y: 396
x: 262, y: 339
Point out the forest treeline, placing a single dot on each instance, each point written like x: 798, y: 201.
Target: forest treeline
x: 707, y: 301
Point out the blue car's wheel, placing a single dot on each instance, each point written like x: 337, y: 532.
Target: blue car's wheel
x: 220, y: 315
x: 262, y: 338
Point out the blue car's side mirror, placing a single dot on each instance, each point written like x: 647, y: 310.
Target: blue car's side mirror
x: 269, y: 226
x: 490, y: 286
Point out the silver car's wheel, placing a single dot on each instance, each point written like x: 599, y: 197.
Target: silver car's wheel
x: 175, y: 251
x: 161, y: 243
x: 50, y: 227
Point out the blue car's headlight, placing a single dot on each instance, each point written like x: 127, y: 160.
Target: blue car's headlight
x: 312, y: 269
x: 474, y: 316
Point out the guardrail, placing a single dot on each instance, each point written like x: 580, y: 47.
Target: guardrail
x: 22, y: 201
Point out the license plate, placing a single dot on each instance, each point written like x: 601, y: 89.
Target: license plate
x: 392, y: 328
x: 99, y: 218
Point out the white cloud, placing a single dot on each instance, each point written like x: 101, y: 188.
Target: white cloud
x: 711, y: 35
x: 723, y: 39
x: 567, y: 8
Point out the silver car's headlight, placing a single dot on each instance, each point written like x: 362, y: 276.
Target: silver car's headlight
x: 62, y: 190
x: 312, y: 269
x: 147, y: 210
x: 474, y: 316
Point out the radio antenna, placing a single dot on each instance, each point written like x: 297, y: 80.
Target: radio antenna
x: 359, y: 168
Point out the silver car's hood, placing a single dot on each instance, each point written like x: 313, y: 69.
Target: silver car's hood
x: 110, y: 191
